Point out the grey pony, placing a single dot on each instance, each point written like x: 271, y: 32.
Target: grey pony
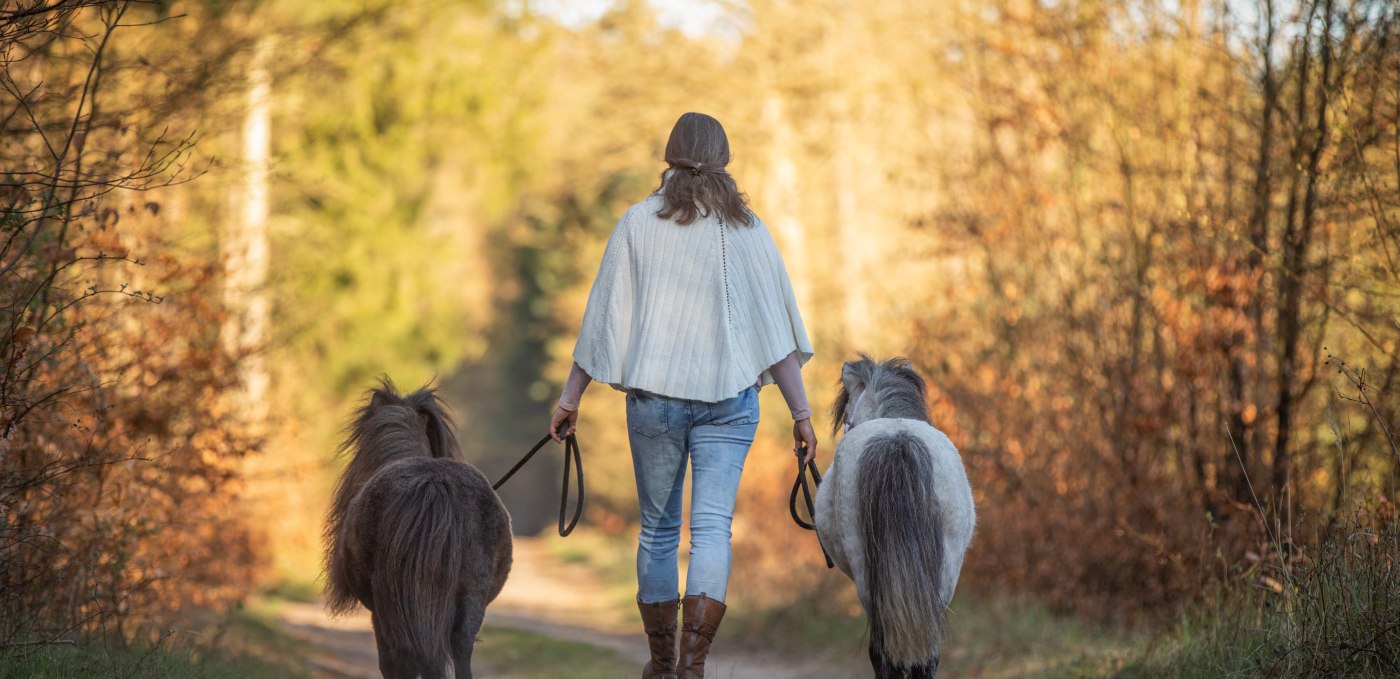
x: 895, y: 512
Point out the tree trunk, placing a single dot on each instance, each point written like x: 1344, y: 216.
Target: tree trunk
x: 245, y: 242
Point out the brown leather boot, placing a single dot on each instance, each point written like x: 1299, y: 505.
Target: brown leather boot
x: 700, y: 619
x: 659, y: 620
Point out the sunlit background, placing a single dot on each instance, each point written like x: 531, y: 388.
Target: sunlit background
x: 1146, y: 254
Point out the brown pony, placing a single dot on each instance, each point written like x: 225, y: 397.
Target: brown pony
x: 416, y: 535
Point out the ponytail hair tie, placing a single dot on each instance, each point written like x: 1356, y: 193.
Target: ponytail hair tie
x: 695, y: 168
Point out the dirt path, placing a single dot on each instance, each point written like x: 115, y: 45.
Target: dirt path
x: 548, y: 597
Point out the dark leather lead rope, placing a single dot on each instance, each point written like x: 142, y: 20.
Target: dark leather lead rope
x: 801, y: 484
x: 571, y: 455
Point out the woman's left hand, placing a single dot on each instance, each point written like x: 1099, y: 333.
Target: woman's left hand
x: 562, y: 416
x: 804, y: 438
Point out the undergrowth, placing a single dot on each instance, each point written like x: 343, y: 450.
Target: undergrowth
x: 1329, y: 611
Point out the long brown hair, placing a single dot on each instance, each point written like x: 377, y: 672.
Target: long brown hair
x: 696, y: 155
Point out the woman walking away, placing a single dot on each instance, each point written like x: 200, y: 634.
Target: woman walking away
x: 690, y: 314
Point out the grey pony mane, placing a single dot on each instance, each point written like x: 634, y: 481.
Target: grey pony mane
x: 896, y: 390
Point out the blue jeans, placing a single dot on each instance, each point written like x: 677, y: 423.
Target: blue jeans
x: 715, y: 437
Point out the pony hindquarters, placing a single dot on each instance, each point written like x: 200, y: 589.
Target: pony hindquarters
x: 416, y: 535
x: 900, y: 527
x: 386, y: 429
x: 438, y: 545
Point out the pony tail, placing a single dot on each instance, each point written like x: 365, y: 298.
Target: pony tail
x: 903, y: 550
x: 415, y: 601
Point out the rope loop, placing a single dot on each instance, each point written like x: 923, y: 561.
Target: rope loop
x: 800, y: 484
x: 572, y: 458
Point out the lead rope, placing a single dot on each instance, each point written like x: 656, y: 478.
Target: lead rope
x: 571, y: 455
x: 801, y: 484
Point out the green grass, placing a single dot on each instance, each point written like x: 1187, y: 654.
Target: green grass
x: 245, y: 644
x: 612, y: 558
x: 991, y: 637
x: 1203, y: 647
x: 1005, y: 635
x: 535, y: 656
x: 796, y: 630
x: 255, y: 630
x: 296, y: 589
x: 65, y: 662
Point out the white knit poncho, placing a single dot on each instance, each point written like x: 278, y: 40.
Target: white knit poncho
x: 696, y: 311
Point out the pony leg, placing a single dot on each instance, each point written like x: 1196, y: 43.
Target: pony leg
x: 884, y: 669
x: 926, y: 670
x: 391, y: 665
x: 464, y: 638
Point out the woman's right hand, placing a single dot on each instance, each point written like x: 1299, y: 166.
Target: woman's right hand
x: 804, y: 438
x: 562, y: 416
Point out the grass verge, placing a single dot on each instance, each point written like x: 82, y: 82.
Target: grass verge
x: 245, y: 645
x: 535, y: 656
x: 992, y: 636
x: 64, y: 662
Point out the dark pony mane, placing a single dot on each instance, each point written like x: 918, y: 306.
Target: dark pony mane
x: 894, y: 387
x: 387, y: 428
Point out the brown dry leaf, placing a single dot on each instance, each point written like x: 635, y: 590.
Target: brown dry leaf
x: 23, y: 336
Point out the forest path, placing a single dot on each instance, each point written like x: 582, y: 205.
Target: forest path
x: 545, y: 596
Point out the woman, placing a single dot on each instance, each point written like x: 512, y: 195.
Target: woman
x: 690, y: 314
